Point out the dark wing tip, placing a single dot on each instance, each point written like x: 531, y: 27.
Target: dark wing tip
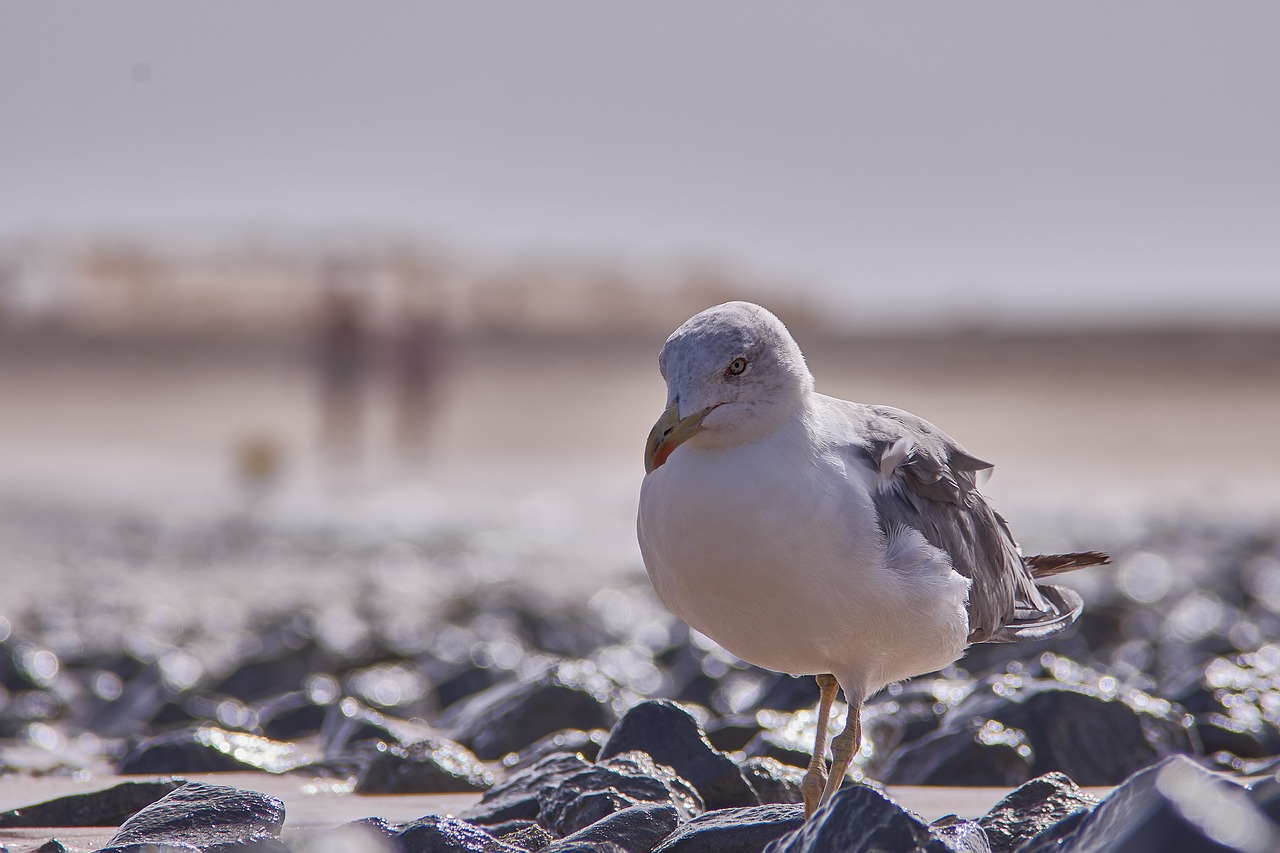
x: 1048, y: 565
x: 1065, y: 606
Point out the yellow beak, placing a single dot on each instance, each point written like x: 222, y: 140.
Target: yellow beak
x: 670, y: 432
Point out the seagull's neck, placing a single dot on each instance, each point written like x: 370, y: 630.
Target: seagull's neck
x: 749, y: 422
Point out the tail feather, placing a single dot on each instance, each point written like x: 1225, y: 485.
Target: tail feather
x: 1047, y: 565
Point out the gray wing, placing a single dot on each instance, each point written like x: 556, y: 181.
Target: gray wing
x: 931, y: 486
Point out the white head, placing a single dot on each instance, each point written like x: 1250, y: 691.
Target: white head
x: 733, y: 373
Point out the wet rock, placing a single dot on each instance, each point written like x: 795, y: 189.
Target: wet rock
x: 465, y: 681
x: 433, y: 766
x: 205, y: 817
x: 744, y: 830
x: 509, y: 716
x: 619, y: 782
x: 291, y: 715
x: 1175, y: 805
x: 435, y: 834
x: 960, y: 836
x: 350, y: 725
x: 1221, y: 733
x: 516, y: 797
x: 531, y: 838
x: 773, y: 781
x: 209, y: 749
x: 972, y: 753
x: 108, y: 807
x: 672, y: 737
x: 733, y: 733
x: 586, y: 744
x: 1032, y: 808
x: 789, y: 693
x: 860, y: 819
x: 1097, y: 736
x: 637, y: 829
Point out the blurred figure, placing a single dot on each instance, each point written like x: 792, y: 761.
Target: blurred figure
x: 418, y: 359
x: 343, y: 365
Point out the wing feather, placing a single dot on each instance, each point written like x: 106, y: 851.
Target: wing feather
x: 930, y: 485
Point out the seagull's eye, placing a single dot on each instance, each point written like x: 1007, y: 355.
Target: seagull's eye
x: 736, y: 367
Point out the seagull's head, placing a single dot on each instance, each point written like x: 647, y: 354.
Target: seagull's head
x: 733, y: 373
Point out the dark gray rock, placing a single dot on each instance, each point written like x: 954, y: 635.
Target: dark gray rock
x: 637, y: 829
x: 433, y: 766
x: 617, y: 783
x: 1033, y: 808
x: 210, y: 749
x: 516, y: 797
x: 531, y: 838
x: 673, y: 737
x: 206, y: 818
x: 745, y: 830
x: 773, y: 781
x: 436, y: 834
x: 1221, y: 733
x: 961, y: 836
x: 352, y: 728
x: 733, y: 733
x: 1093, y: 737
x: 291, y: 715
x: 1175, y: 805
x: 109, y: 807
x: 587, y: 744
x: 966, y: 753
x: 860, y: 819
x: 509, y: 716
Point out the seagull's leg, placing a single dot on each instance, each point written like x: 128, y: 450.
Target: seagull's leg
x: 843, y: 747
x: 815, y: 779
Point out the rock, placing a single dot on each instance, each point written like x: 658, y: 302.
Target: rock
x: 860, y: 819
x: 1095, y: 736
x: 960, y: 836
x: 209, y: 749
x: 352, y: 728
x: 1032, y: 808
x: 435, y: 834
x: 967, y: 753
x: 733, y: 733
x: 509, y: 716
x: 291, y: 715
x: 1221, y: 733
x: 672, y: 737
x: 433, y: 766
x: 531, y: 838
x: 773, y: 781
x: 205, y: 817
x: 516, y: 797
x: 587, y: 744
x: 744, y: 830
x: 789, y: 693
x: 1175, y: 805
x: 616, y: 783
x: 637, y: 829
x: 108, y: 807
x: 466, y: 681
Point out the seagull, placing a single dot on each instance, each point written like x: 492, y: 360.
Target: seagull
x: 816, y: 536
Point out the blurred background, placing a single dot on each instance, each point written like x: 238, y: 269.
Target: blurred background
x: 308, y: 298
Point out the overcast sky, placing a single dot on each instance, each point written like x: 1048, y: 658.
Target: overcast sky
x: 904, y: 159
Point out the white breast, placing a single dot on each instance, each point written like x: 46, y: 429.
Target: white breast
x: 772, y: 550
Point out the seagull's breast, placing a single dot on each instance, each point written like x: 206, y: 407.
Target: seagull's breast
x: 771, y: 549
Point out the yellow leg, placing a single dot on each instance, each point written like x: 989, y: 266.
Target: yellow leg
x: 843, y: 748
x: 815, y: 779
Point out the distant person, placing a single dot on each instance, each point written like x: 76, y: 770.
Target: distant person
x: 418, y: 361
x: 343, y: 364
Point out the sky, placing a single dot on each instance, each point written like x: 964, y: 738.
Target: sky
x: 899, y: 161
